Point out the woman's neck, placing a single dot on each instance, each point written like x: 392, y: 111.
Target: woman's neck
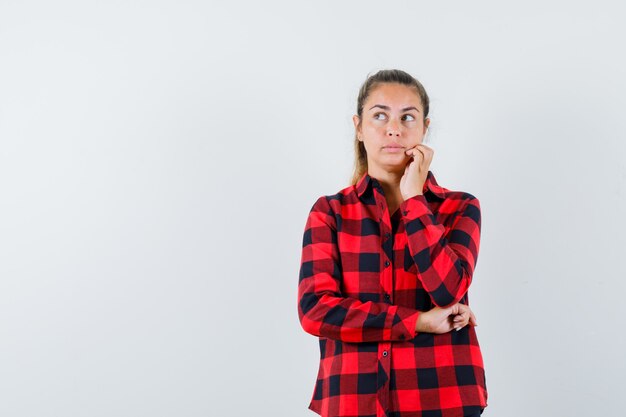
x: 390, y: 182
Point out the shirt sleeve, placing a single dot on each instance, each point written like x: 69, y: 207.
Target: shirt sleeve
x: 322, y: 309
x: 445, y: 257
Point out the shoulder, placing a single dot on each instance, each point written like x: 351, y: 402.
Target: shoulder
x: 464, y: 205
x: 455, y: 202
x: 450, y: 195
x: 330, y: 208
x: 447, y: 195
x: 333, y: 203
x: 461, y: 196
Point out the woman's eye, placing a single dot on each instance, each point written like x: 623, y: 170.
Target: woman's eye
x: 411, y: 117
x: 379, y: 114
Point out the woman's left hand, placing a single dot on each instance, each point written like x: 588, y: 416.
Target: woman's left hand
x: 464, y: 317
x: 445, y: 319
x: 416, y: 170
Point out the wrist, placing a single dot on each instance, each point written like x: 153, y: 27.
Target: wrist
x: 421, y: 325
x: 409, y: 195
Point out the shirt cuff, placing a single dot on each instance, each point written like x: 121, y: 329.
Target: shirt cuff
x: 404, y: 323
x: 415, y: 207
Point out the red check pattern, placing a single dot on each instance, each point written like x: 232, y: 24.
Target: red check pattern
x: 365, y: 276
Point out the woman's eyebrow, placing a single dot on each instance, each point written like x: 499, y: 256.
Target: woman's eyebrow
x: 388, y: 108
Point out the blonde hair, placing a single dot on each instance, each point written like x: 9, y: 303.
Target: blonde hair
x: 372, y: 81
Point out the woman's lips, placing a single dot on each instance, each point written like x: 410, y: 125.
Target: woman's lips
x: 394, y: 148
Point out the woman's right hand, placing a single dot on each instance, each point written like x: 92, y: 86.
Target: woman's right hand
x: 443, y: 320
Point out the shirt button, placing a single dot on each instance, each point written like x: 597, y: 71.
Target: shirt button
x: 405, y: 212
x: 387, y: 296
x: 386, y: 263
x: 384, y: 353
x: 387, y: 235
x: 402, y: 336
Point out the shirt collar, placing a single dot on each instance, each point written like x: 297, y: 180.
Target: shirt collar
x: 431, y: 185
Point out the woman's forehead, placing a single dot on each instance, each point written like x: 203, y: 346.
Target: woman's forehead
x: 394, y: 95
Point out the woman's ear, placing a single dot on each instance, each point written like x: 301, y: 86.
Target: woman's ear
x: 357, y: 129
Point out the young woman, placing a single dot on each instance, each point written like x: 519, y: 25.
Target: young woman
x: 385, y: 269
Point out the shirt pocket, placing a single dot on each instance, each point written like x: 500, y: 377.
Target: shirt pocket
x: 360, y: 267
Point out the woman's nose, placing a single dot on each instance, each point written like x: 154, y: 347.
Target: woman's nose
x: 393, y: 129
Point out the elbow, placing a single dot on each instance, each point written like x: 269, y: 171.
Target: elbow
x: 444, y: 297
x: 306, y: 324
x: 307, y: 311
x: 444, y: 301
x: 309, y: 326
x: 320, y: 317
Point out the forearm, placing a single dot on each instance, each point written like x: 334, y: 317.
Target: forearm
x: 323, y: 308
x: 351, y: 320
x: 445, y: 257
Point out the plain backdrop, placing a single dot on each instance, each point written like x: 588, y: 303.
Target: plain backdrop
x: 158, y: 160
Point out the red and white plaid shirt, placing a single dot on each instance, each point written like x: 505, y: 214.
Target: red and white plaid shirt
x: 365, y: 276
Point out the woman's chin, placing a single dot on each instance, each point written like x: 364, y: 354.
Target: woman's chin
x: 394, y: 166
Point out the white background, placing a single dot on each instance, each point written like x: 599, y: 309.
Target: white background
x: 158, y: 160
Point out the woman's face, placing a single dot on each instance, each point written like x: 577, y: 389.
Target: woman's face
x: 393, y: 121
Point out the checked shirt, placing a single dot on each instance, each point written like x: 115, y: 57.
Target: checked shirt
x: 365, y: 276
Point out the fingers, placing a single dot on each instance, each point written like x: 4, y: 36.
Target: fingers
x: 421, y: 153
x: 454, y: 317
x: 461, y: 317
x: 472, y: 316
x: 461, y: 320
x: 464, y: 317
x: 457, y: 308
x: 423, y: 147
x: 416, y: 154
x: 426, y: 151
x: 473, y: 321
